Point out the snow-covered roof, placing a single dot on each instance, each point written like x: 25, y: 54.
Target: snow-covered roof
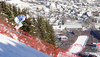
x: 75, y: 25
x: 63, y: 36
x: 60, y: 27
x: 56, y: 27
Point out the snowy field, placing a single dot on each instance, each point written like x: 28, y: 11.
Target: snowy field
x: 12, y: 48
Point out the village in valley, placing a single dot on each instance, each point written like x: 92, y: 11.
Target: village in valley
x: 69, y: 19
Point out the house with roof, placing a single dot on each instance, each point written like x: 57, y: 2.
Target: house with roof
x: 74, y: 26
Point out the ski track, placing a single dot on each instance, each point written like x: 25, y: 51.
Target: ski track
x: 13, y: 48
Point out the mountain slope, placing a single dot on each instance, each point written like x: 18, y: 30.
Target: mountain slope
x: 13, y: 48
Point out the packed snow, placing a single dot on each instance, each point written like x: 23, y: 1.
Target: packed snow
x: 13, y: 48
x: 79, y: 44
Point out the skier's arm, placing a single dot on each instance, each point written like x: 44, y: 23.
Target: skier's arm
x: 22, y: 20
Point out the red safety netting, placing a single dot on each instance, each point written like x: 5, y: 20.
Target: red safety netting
x: 36, y: 43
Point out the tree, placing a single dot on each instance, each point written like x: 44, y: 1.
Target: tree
x: 40, y: 24
x: 46, y: 31
x: 23, y: 11
x: 15, y: 10
x: 41, y: 29
x: 3, y: 5
x: 18, y: 11
x: 29, y: 25
x: 50, y: 33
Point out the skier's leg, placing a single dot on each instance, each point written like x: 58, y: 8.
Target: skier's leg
x: 16, y: 21
x: 18, y: 26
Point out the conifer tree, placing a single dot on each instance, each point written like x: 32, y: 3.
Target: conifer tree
x: 29, y: 26
x: 46, y: 31
x: 18, y: 11
x: 10, y: 12
x: 15, y: 10
x: 50, y: 32
x: 40, y: 22
x: 3, y: 6
x: 34, y: 30
x: 23, y: 11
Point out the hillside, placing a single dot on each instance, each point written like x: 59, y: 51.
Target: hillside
x: 12, y: 48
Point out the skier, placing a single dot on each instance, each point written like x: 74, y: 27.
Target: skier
x: 19, y: 19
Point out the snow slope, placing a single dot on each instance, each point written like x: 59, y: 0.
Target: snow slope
x: 12, y: 48
x: 79, y: 44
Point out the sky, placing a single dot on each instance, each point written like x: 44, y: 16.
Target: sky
x: 13, y: 48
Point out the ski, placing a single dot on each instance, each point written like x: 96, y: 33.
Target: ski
x: 16, y: 31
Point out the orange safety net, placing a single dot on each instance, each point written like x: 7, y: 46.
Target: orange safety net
x: 36, y: 43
